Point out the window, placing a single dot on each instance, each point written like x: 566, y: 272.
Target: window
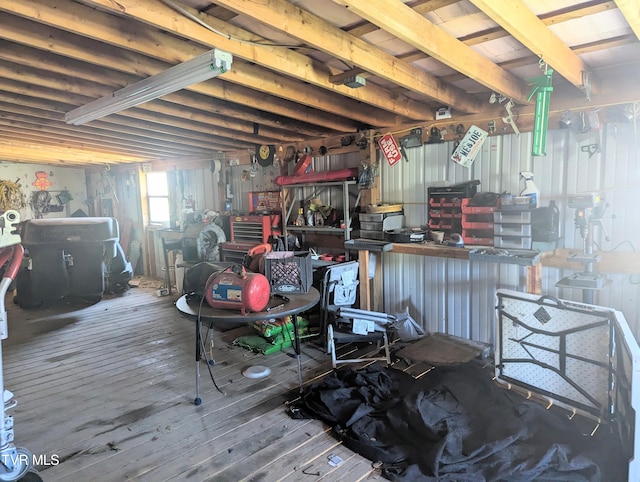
x: 158, y: 196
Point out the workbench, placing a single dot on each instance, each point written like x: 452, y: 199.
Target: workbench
x: 371, y: 295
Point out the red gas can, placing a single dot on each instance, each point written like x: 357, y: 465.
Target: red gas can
x: 238, y: 291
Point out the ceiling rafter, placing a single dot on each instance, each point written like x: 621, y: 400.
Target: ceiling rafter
x: 56, y: 55
x: 411, y: 27
x: 51, y: 39
x: 50, y: 121
x: 529, y: 30
x: 225, y: 116
x: 36, y: 153
x: 421, y: 6
x: 149, y: 125
x: 631, y: 11
x: 163, y: 106
x: 286, y: 62
x: 578, y: 49
x: 551, y: 18
x: 317, y: 32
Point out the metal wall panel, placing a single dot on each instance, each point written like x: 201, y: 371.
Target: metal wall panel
x: 457, y: 297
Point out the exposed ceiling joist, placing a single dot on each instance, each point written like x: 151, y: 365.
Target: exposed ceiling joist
x: 528, y: 29
x: 286, y: 62
x: 56, y: 55
x: 555, y: 17
x: 400, y: 20
x: 631, y: 11
x: 103, y: 28
x: 317, y: 32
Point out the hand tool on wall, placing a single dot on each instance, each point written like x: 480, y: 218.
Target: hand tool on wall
x: 591, y: 149
x: 509, y: 118
x: 542, y: 88
x: 459, y: 130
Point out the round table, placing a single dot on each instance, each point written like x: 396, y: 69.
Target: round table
x: 204, y: 314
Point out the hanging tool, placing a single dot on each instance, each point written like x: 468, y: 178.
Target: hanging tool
x: 434, y: 136
x: 106, y: 174
x: 459, y: 130
x: 591, y: 149
x: 542, y: 88
x: 509, y: 118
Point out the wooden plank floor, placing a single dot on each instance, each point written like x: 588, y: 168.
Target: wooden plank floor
x: 107, y: 391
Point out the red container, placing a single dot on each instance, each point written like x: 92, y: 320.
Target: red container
x: 238, y: 291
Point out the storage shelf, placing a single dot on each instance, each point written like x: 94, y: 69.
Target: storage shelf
x: 303, y: 192
x: 445, y: 206
x: 466, y: 209
x: 316, y: 229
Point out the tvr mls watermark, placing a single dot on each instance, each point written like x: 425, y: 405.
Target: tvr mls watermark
x: 36, y: 460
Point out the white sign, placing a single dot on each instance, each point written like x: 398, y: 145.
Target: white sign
x: 469, y: 146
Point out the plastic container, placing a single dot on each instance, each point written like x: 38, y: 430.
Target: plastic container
x: 545, y: 222
x: 477, y: 238
x: 530, y: 188
x: 517, y: 229
x: 466, y: 209
x: 516, y: 217
x: 512, y: 242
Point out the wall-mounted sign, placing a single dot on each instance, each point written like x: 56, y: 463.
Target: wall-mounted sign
x: 42, y: 182
x: 469, y: 146
x: 390, y: 149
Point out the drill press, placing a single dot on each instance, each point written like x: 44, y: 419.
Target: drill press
x: 589, y: 212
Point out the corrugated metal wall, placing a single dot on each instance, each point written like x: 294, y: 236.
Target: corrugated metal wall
x: 457, y: 297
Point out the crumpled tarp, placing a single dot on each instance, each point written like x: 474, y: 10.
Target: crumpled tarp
x: 456, y: 424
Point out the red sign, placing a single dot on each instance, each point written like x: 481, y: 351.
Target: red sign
x: 390, y: 149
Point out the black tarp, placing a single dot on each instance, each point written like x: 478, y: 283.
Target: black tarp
x: 456, y: 424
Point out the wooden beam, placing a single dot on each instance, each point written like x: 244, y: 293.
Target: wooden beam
x: 38, y: 153
x: 408, y: 25
x: 29, y: 134
x: 169, y: 105
x: 50, y: 104
x: 528, y: 29
x: 631, y: 11
x: 286, y: 63
x: 421, y: 6
x: 313, y: 30
x: 577, y: 49
x: 551, y: 18
x: 94, y: 52
x: 226, y: 115
x: 47, y: 122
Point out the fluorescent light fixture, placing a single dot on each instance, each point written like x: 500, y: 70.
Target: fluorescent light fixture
x: 198, y: 69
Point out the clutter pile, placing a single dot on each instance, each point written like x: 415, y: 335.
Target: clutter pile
x: 272, y: 335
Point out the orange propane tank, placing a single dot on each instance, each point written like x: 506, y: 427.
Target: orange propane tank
x: 238, y: 290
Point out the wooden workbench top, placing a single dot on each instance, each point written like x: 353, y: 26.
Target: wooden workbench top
x: 431, y: 249
x: 611, y: 262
